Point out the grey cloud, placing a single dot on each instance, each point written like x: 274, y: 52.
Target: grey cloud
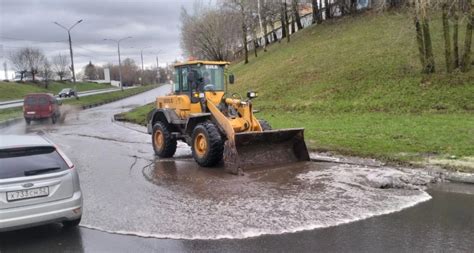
x: 152, y: 23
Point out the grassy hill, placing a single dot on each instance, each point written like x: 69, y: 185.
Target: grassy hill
x: 355, y: 85
x: 13, y: 90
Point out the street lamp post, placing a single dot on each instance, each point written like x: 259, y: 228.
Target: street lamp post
x: 70, y: 46
x: 120, y: 62
x: 143, y: 69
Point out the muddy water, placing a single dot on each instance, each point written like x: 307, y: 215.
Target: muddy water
x: 128, y: 191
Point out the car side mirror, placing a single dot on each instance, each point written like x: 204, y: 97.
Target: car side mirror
x: 231, y: 79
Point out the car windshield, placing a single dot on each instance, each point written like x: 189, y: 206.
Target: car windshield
x: 65, y: 90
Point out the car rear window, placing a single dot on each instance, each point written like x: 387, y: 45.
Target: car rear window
x: 36, y: 100
x: 21, y: 162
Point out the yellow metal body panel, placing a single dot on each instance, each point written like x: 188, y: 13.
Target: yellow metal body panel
x: 180, y: 103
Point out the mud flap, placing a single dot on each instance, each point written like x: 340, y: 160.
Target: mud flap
x: 263, y: 149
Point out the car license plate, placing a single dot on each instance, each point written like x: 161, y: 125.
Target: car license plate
x: 30, y: 113
x: 28, y: 194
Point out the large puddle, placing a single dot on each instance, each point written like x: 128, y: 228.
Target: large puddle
x: 186, y: 202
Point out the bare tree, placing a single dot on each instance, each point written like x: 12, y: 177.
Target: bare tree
x: 447, y: 38
x: 61, y: 66
x: 46, y: 72
x: 90, y: 71
x: 424, y: 36
x: 130, y: 72
x: 210, y: 33
x: 35, y: 59
x: 19, y: 62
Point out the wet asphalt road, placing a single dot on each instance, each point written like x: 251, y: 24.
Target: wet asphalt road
x: 443, y: 224
x: 128, y: 191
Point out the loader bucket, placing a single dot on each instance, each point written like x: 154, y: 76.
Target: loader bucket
x: 262, y: 149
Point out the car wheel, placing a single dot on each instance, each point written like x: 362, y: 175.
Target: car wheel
x: 28, y: 121
x: 71, y: 223
x: 54, y: 119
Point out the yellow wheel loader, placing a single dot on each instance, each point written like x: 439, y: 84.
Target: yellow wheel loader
x: 218, y: 125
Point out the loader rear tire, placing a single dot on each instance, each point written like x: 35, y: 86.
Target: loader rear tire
x: 207, y: 146
x: 164, y: 143
x: 265, y: 125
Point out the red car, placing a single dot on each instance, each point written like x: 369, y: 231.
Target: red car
x: 40, y: 106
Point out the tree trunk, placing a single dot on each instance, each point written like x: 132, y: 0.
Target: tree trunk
x: 255, y: 46
x: 327, y: 10
x: 297, y: 15
x: 315, y: 11
x: 447, y: 39
x: 466, y: 59
x: 264, y: 31
x: 420, y: 42
x: 286, y: 20
x: 285, y: 8
x: 244, y: 41
x: 430, y: 62
x: 456, y: 38
x: 282, y: 21
x: 353, y: 6
x: 33, y: 74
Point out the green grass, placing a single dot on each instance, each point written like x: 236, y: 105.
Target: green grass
x: 108, y: 97
x: 11, y: 113
x: 355, y: 85
x: 139, y: 114
x: 13, y: 90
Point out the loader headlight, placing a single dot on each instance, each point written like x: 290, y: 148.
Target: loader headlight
x: 252, y: 94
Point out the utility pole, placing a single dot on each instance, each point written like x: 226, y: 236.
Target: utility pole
x: 5, y: 69
x: 120, y: 62
x: 70, y: 46
x: 158, y: 69
x: 143, y: 68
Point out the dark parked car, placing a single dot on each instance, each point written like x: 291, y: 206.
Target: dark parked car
x: 39, y: 106
x: 68, y: 92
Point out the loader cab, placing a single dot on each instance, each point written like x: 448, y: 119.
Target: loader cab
x: 198, y: 77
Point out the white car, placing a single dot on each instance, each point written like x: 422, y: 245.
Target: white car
x: 38, y: 184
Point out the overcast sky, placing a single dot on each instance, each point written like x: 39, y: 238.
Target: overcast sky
x: 151, y: 23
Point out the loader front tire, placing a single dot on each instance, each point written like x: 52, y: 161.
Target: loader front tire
x: 164, y: 143
x: 207, y: 146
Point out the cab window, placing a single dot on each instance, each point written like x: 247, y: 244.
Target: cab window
x: 184, y: 79
x: 176, y: 81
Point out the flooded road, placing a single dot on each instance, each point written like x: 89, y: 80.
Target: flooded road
x: 128, y: 191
